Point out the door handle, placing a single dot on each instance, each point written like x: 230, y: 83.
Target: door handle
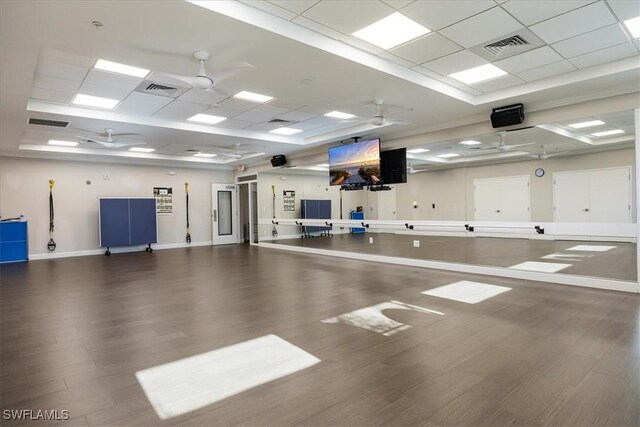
x: 215, y: 215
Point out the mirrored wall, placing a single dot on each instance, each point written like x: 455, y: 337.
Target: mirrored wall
x: 554, y: 198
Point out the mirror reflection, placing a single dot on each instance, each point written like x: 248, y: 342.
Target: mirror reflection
x: 555, y: 198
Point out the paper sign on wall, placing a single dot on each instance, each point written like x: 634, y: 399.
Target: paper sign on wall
x: 289, y: 200
x: 164, y: 200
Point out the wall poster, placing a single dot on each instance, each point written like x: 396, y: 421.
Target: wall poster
x: 164, y: 200
x: 289, y: 200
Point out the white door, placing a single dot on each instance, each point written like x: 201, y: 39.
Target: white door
x: 514, y: 199
x: 387, y: 204
x: 224, y: 214
x: 610, y: 195
x: 571, y: 197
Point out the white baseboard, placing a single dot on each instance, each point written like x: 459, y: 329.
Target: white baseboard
x: 117, y: 250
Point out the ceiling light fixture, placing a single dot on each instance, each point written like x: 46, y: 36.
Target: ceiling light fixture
x: 586, y: 124
x: 323, y: 165
x: 448, y: 155
x: 285, y: 131
x: 470, y: 142
x: 114, y: 67
x: 207, y: 155
x: 206, y: 118
x: 418, y: 150
x: 253, y: 97
x: 62, y: 143
x: 608, y: 132
x: 339, y: 115
x: 633, y: 25
x: 478, y: 74
x: 391, y: 31
x: 95, y: 101
x: 142, y: 150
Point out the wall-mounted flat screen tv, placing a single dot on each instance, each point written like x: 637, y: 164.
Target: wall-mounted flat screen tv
x: 357, y: 163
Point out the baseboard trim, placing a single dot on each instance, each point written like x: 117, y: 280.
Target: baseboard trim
x: 562, y: 279
x: 119, y: 250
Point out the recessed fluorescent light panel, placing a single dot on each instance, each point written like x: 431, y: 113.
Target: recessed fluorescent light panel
x: 142, y: 150
x: 286, y: 131
x: 391, y: 31
x: 95, y: 101
x: 207, y: 155
x: 418, y: 150
x: 588, y: 124
x: 339, y: 115
x: 324, y: 165
x: 608, y: 132
x: 633, y: 25
x: 470, y: 142
x: 253, y: 97
x: 114, y: 67
x: 62, y: 143
x: 448, y: 155
x: 206, y: 118
x: 478, y: 74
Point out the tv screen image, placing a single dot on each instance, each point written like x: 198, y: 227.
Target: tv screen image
x: 357, y: 163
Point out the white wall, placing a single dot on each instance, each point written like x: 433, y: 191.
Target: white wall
x: 24, y: 189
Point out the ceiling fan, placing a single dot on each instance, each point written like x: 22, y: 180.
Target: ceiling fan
x: 544, y: 155
x: 207, y: 81
x: 379, y: 118
x: 110, y: 142
x: 501, y: 146
x: 237, y: 155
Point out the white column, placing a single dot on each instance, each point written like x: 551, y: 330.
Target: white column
x: 637, y: 173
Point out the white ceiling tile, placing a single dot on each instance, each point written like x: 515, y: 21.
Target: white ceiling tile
x: 263, y: 127
x: 103, y: 91
x: 112, y: 80
x: 436, y: 15
x: 532, y: 59
x: 398, y: 4
x: 179, y: 110
x: 61, y: 70
x: 231, y: 107
x: 296, y: 116
x: 142, y: 104
x: 315, y: 122
x: 295, y: 6
x: 271, y: 8
x: 397, y: 60
x: 230, y: 123
x: 206, y: 97
x: 471, y: 90
x: 348, y: 16
x: 37, y: 134
x: 546, y: 71
x: 588, y: 42
x: 51, y: 95
x: 498, y: 83
x: 452, y: 82
x: 625, y: 9
x: 530, y: 12
x: 356, y: 42
x: 67, y: 58
x: 52, y: 83
x: 455, y: 62
x: 605, y: 55
x: 482, y: 27
x: 426, y: 72
x: 426, y: 48
x: 318, y: 28
x: 571, y: 24
x: 260, y: 114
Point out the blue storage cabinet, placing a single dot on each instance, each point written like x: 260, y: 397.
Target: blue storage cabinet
x: 315, y: 209
x: 354, y: 215
x: 128, y: 222
x: 14, y: 242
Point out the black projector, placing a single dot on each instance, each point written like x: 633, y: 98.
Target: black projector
x: 507, y: 116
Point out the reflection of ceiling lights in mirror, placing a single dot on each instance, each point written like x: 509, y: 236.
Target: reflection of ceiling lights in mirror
x: 448, y: 155
x: 470, y: 142
x: 633, y: 25
x: 608, y: 132
x: 207, y: 155
x: 285, y: 131
x: 588, y: 124
x: 206, y: 118
x: 478, y: 74
x: 418, y: 150
x: 142, y: 150
x: 62, y: 143
x: 323, y: 165
x: 253, y: 97
x: 114, y: 67
x: 339, y: 115
x: 391, y: 31
x: 95, y: 101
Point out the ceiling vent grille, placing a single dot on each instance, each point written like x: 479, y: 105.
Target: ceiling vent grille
x: 45, y: 122
x: 159, y: 89
x: 281, y: 122
x: 498, y: 48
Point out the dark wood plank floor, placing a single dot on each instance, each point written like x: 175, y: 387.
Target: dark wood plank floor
x: 618, y: 263
x: 74, y: 332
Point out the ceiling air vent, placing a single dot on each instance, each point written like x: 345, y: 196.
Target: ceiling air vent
x: 281, y: 122
x: 507, y: 45
x: 45, y: 122
x: 160, y: 89
x: 497, y: 48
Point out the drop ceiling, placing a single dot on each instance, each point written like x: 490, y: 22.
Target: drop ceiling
x: 304, y: 56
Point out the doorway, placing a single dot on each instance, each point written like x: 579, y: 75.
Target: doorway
x: 224, y: 214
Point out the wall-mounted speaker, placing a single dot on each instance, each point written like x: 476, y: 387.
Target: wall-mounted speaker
x: 279, y: 160
x: 507, y: 116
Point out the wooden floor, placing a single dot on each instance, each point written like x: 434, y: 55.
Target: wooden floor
x: 618, y: 263
x: 75, y: 330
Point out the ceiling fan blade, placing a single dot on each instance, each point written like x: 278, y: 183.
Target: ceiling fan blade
x: 125, y: 134
x: 190, y: 80
x: 126, y: 144
x: 225, y: 71
x: 509, y: 147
